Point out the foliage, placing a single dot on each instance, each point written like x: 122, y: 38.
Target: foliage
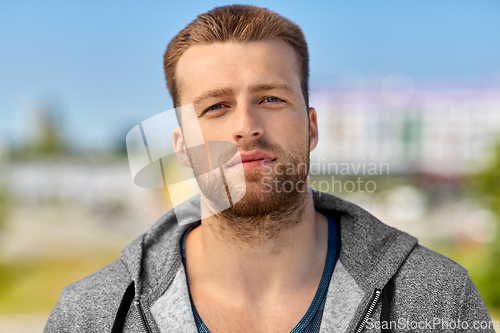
x: 486, y: 187
x: 34, y: 287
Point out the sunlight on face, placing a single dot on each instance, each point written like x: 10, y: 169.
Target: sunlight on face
x: 250, y: 94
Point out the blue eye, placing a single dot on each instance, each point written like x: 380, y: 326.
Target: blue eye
x: 272, y: 99
x: 216, y: 107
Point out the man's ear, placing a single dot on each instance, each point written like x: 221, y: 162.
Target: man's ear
x: 180, y: 147
x: 313, y: 129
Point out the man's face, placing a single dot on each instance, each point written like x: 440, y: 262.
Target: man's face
x: 250, y: 94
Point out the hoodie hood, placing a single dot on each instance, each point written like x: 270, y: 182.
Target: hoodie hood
x: 371, y: 251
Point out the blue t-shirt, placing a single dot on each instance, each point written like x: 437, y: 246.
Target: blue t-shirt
x: 311, y: 321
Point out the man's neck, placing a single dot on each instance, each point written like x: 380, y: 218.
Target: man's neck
x: 259, y: 268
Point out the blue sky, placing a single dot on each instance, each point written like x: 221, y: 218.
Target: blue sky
x: 101, y: 62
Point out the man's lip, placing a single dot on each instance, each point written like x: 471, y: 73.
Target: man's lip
x: 257, y: 155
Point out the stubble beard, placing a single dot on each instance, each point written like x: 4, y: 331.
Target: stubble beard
x: 273, y: 201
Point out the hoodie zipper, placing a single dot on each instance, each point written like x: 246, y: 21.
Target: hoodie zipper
x: 369, y: 310
x: 144, y: 321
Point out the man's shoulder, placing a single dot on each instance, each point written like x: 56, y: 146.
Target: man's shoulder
x: 431, y: 286
x: 430, y: 260
x: 110, y: 279
x: 91, y: 301
x: 428, y: 277
x: 430, y: 266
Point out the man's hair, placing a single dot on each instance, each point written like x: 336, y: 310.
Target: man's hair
x: 238, y: 23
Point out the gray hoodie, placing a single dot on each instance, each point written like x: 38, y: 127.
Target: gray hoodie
x: 382, y: 274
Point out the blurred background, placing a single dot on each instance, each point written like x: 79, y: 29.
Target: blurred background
x: 408, y: 99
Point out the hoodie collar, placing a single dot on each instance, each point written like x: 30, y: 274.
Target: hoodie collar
x: 371, y: 251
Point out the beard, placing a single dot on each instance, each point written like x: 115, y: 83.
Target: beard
x: 270, y: 198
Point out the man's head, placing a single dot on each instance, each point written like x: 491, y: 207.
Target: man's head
x: 240, y: 24
x: 250, y: 90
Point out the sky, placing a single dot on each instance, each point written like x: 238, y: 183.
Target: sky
x: 99, y: 63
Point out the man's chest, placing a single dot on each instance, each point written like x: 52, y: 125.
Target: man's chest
x: 267, y: 318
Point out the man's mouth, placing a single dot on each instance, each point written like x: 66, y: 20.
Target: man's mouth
x: 251, y: 160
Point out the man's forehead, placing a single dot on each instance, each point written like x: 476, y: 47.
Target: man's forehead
x: 216, y: 67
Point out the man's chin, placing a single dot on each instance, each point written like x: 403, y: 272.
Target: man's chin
x: 261, y: 200
x: 254, y: 203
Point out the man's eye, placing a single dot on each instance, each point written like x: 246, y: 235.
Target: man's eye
x: 215, y: 107
x: 272, y: 99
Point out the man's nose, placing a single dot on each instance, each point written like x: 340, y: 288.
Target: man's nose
x: 247, y: 125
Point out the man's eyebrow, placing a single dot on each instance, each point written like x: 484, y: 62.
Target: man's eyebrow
x: 212, y: 94
x: 221, y: 92
x: 271, y: 86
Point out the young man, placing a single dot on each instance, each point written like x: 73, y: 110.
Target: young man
x: 275, y: 260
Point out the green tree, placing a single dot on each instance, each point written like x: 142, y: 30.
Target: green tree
x: 486, y: 186
x: 45, y: 136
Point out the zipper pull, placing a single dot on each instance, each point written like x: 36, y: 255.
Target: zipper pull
x: 144, y: 321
